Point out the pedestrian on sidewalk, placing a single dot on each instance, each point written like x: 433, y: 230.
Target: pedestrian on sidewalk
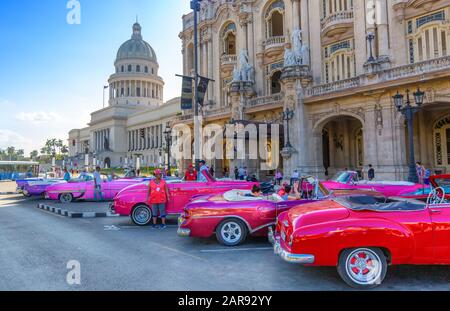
x: 158, y: 196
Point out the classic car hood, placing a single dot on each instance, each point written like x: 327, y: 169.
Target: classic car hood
x: 317, y: 212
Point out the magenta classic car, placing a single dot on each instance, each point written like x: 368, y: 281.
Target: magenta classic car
x: 350, y: 180
x: 83, y: 189
x: 38, y: 187
x: 132, y: 201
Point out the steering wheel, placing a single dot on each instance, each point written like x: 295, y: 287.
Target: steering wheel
x: 437, y: 196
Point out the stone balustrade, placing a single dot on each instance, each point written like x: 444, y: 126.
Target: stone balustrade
x: 274, y: 41
x: 265, y: 100
x: 337, y: 17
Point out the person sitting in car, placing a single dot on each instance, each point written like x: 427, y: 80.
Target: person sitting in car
x: 256, y: 192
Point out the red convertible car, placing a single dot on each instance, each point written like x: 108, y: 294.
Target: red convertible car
x: 362, y: 235
x: 233, y: 215
x: 132, y: 201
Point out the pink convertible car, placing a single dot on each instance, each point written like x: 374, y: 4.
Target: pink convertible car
x: 350, y: 180
x: 83, y: 189
x: 132, y: 201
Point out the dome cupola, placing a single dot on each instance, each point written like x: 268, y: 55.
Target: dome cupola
x: 136, y: 47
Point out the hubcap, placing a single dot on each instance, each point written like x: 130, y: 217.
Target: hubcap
x: 141, y: 215
x: 364, y: 266
x: 231, y: 232
x: 66, y: 198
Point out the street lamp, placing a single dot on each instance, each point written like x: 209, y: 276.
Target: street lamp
x: 408, y: 110
x: 168, y: 136
x: 288, y: 115
x: 195, y: 6
x: 370, y: 37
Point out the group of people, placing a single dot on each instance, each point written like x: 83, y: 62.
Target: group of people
x: 423, y: 173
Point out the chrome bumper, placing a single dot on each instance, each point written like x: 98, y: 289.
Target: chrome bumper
x: 289, y: 257
x: 184, y: 233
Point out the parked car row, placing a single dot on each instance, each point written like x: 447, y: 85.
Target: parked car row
x: 359, y: 227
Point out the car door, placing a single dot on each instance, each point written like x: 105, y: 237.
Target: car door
x: 182, y: 193
x: 440, y: 218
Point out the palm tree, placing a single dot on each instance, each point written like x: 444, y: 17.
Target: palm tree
x: 33, y: 154
x: 11, y: 152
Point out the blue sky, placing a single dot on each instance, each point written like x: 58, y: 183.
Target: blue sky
x: 52, y: 73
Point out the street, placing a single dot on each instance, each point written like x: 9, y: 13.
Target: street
x: 35, y: 247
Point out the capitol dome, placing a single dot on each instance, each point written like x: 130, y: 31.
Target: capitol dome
x: 136, y: 47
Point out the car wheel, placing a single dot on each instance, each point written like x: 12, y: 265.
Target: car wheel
x: 66, y: 198
x: 231, y: 232
x: 363, y: 268
x: 141, y: 215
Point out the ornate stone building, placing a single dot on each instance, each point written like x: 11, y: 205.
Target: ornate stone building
x: 133, y: 124
x: 337, y: 64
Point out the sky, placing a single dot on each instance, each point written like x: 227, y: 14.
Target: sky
x: 52, y: 72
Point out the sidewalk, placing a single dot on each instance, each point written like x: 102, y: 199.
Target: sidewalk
x: 7, y: 187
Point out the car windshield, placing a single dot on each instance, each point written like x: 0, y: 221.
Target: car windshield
x: 443, y: 183
x: 342, y: 177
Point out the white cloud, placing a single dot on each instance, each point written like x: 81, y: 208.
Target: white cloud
x: 10, y: 138
x: 38, y: 117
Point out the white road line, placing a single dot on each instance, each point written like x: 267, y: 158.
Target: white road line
x: 226, y: 250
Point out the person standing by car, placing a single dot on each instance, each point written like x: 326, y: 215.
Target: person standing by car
x: 236, y: 173
x: 203, y: 168
x: 67, y: 176
x: 158, y: 196
x: 371, y: 173
x: 241, y: 173
x: 98, y: 185
x: 420, y: 169
x: 191, y: 174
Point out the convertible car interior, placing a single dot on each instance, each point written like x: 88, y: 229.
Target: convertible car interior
x: 379, y: 204
x: 245, y: 195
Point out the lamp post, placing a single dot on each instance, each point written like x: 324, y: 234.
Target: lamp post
x: 288, y: 115
x: 409, y: 110
x: 370, y: 37
x: 195, y: 6
x: 168, y: 136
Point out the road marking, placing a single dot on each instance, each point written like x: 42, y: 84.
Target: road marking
x: 111, y: 228
x: 226, y: 250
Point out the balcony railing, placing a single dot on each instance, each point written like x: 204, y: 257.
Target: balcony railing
x: 336, y: 18
x: 217, y: 111
x: 417, y: 68
x: 274, y: 41
x: 265, y: 100
x: 228, y: 59
x: 392, y: 74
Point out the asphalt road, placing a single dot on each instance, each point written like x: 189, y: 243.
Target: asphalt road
x: 35, y: 247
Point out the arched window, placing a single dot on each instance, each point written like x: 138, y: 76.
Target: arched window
x: 229, y: 39
x: 138, y: 68
x: 339, y: 61
x: 129, y: 68
x: 442, y: 142
x: 274, y: 19
x: 428, y: 37
x: 275, y: 84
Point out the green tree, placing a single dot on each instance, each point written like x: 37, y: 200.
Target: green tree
x: 33, y: 155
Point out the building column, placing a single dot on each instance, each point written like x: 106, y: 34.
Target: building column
x: 296, y: 14
x: 383, y: 29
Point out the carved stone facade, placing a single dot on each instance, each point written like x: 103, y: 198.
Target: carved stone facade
x: 337, y: 64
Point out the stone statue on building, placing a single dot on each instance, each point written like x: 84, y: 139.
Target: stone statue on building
x: 247, y: 72
x: 300, y: 50
x: 236, y: 75
x: 289, y: 58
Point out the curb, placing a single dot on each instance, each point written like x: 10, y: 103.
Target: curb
x: 7, y: 193
x: 65, y: 213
